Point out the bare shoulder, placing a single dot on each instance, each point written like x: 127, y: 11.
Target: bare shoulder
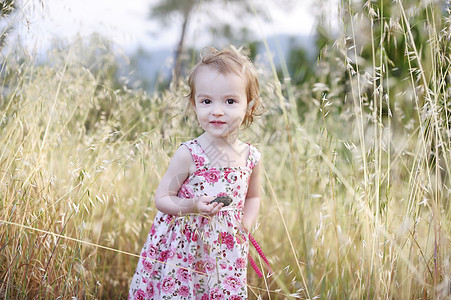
x: 182, y: 155
x: 182, y: 152
x: 182, y: 159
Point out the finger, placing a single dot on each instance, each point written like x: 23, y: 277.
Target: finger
x: 205, y: 208
x: 214, y: 209
x: 217, y: 208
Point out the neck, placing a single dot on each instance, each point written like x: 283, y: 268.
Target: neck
x: 228, y: 141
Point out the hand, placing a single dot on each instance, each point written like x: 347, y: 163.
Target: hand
x: 204, y: 207
x: 246, y: 227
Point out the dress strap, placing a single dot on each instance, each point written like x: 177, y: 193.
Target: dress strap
x: 254, y: 157
x: 197, y: 153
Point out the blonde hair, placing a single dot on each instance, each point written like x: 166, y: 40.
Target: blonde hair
x: 230, y: 60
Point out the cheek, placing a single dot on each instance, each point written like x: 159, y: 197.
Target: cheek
x: 200, y: 113
x: 201, y: 117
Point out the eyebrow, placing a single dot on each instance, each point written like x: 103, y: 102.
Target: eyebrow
x: 203, y: 96
x: 208, y: 96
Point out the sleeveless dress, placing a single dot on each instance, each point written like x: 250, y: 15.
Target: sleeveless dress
x: 194, y: 256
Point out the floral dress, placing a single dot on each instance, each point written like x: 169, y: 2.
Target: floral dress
x: 194, y: 256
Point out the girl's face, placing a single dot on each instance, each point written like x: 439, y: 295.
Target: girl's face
x: 220, y: 102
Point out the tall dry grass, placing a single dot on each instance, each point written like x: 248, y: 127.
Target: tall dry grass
x: 355, y: 188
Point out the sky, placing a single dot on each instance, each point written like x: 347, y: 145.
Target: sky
x: 128, y: 25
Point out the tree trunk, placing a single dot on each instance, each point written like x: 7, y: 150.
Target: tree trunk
x: 181, y: 44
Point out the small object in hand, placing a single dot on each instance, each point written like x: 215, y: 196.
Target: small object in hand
x: 226, y: 200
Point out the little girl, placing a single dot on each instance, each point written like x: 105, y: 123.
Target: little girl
x: 196, y: 248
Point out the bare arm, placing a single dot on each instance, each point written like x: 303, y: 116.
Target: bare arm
x: 166, y: 199
x: 252, y: 203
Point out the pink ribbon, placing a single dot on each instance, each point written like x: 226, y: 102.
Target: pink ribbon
x: 262, y: 255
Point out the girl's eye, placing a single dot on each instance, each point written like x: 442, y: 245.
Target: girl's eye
x: 206, y: 101
x: 230, y: 101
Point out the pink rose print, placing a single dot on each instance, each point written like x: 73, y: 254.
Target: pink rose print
x: 149, y: 289
x: 235, y: 297
x: 231, y: 177
x: 216, y: 294
x: 186, y: 192
x: 140, y: 295
x: 182, y: 275
x: 221, y: 194
x: 198, y: 160
x: 168, y: 285
x: 152, y: 252
x: 200, y: 266
x: 195, y: 236
x: 253, y: 159
x: 153, y: 230
x: 240, y: 238
x: 184, y: 291
x: 227, y: 239
x: 204, y: 297
x: 210, y: 264
x: 232, y: 283
x: 240, y: 263
x: 187, y: 232
x: 147, y: 265
x: 205, y: 221
x: 211, y: 176
x: 190, y: 258
x: 165, y: 255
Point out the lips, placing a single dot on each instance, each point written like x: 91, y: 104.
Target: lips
x: 217, y: 122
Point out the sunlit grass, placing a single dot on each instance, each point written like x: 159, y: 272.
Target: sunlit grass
x: 355, y: 188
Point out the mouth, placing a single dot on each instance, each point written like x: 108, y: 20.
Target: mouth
x: 217, y: 122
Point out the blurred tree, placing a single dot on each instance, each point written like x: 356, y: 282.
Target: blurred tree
x: 165, y: 9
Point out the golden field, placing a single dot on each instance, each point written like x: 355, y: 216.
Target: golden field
x: 356, y: 167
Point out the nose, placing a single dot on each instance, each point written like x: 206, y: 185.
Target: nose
x: 217, y: 110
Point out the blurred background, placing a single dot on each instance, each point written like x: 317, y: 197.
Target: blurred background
x: 355, y: 136
x: 155, y: 40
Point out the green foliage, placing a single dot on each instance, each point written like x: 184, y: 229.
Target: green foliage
x: 7, y: 7
x: 300, y: 66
